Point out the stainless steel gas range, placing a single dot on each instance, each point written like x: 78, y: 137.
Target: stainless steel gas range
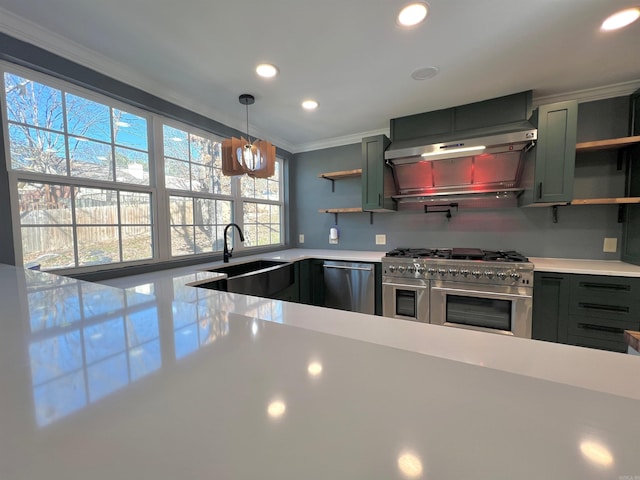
x: 490, y: 291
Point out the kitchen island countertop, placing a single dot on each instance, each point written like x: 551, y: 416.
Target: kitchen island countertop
x: 160, y: 378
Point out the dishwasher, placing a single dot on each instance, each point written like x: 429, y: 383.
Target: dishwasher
x: 349, y: 286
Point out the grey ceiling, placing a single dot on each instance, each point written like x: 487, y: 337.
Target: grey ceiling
x: 349, y: 55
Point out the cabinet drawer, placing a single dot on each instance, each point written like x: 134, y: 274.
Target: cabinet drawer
x: 602, y: 344
x: 611, y: 290
x: 579, y: 323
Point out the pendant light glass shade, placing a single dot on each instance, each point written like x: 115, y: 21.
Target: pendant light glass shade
x: 240, y: 156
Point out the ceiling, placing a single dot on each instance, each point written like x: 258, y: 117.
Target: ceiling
x: 350, y: 56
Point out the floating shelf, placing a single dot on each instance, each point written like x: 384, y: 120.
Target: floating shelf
x: 341, y: 210
x: 608, y: 144
x: 342, y: 174
x: 605, y: 201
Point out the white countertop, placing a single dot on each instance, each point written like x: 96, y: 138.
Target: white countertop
x: 588, y: 267
x: 166, y: 381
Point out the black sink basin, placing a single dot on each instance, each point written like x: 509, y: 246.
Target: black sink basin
x: 262, y: 278
x: 250, y: 267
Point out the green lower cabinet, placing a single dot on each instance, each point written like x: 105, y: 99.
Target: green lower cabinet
x: 550, y: 307
x: 585, y: 310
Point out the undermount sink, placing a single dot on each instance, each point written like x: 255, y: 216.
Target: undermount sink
x: 243, y: 268
x: 262, y: 278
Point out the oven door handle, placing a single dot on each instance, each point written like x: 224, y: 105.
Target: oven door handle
x: 477, y: 293
x: 404, y: 285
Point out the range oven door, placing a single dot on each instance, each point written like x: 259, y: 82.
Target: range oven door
x: 496, y: 309
x: 405, y: 298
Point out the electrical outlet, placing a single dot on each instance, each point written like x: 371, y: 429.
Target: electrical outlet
x: 610, y: 245
x: 381, y: 239
x: 301, y: 238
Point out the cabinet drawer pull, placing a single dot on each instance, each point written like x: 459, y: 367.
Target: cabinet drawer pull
x: 539, y: 190
x: 600, y: 328
x: 606, y: 308
x: 606, y: 286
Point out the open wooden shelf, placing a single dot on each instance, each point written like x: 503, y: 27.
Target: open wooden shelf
x: 608, y: 144
x: 341, y: 174
x: 341, y: 210
x: 605, y: 201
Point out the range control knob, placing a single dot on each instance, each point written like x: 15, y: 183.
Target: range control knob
x: 488, y: 274
x: 411, y: 269
x: 442, y: 272
x: 431, y: 271
x: 515, y: 275
x: 476, y: 273
x: 501, y: 275
x: 392, y: 268
x: 465, y: 273
x: 453, y: 272
x: 401, y: 269
x: 420, y: 269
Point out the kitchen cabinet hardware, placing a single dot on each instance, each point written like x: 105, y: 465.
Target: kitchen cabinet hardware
x: 608, y: 308
x: 601, y: 328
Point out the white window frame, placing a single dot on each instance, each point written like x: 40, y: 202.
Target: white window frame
x: 160, y: 226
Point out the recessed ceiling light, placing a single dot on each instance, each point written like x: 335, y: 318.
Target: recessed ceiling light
x: 621, y: 19
x: 424, y: 73
x: 267, y: 70
x: 309, y: 104
x: 413, y: 14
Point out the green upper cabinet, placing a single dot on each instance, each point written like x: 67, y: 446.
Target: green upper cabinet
x: 631, y: 229
x: 377, y: 177
x: 549, y: 167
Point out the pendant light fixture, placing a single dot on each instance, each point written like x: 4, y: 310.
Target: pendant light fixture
x: 240, y: 156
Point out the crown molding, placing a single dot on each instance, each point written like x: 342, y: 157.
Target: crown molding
x: 338, y: 141
x: 590, y: 94
x: 32, y: 33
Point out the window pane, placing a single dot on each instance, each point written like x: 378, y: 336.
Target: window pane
x: 201, y: 150
x: 37, y: 150
x: 205, y: 213
x: 250, y: 235
x: 201, y: 178
x: 249, y: 211
x: 98, y: 245
x: 223, y: 212
x: 137, y: 243
x: 274, y: 190
x: 262, y: 191
x: 44, y: 204
x: 176, y: 174
x: 135, y: 208
x: 87, y: 118
x: 130, y: 130
x: 247, y: 187
x: 33, y: 103
x: 96, y: 206
x: 275, y: 214
x: 132, y: 166
x: 176, y: 143
x: 205, y: 238
x: 181, y: 210
x: 50, y: 247
x: 221, y: 183
x: 264, y: 237
x: 275, y: 234
x: 90, y: 159
x: 182, y: 241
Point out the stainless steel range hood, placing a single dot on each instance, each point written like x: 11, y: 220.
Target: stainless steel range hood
x: 486, y: 164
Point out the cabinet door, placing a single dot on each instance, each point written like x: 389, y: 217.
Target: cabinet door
x: 550, y: 307
x: 556, y: 152
x: 631, y: 229
x: 377, y: 178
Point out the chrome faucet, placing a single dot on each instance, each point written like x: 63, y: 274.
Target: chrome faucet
x: 226, y: 254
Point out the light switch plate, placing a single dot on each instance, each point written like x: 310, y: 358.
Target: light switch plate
x: 301, y: 238
x: 381, y: 239
x: 610, y: 245
x: 333, y: 241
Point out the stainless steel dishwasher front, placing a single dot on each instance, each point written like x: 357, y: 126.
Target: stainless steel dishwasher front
x: 349, y: 286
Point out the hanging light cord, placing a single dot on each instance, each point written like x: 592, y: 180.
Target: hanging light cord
x: 248, y: 137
